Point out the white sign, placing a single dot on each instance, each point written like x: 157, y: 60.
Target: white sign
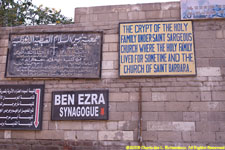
x: 202, y: 9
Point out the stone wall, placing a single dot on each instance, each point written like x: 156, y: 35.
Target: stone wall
x: 176, y: 110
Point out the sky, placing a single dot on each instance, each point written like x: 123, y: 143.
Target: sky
x: 67, y: 6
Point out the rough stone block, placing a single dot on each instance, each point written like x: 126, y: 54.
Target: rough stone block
x: 149, y: 136
x: 127, y: 107
x: 112, y: 125
x: 170, y: 126
x: 111, y: 38
x: 218, y: 62
x: 4, y: 42
x: 170, y: 6
x: 3, y: 51
x: 45, y: 125
x: 93, y: 17
x: 163, y: 96
x: 203, y: 43
x: 152, y: 116
x: 206, y: 96
x: 123, y: 16
x: 154, y: 14
x: 203, y: 136
x: 118, y: 97
x: 46, y: 116
x: 105, y: 47
x: 93, y: 126
x: 158, y: 89
x: 213, y: 79
x: 186, y: 136
x: 220, y: 136
x: 219, y: 34
x: 204, y: 106
x: 116, y: 135
x: 109, y: 74
x: 87, y: 135
x: 133, y: 15
x: 107, y: 65
x: 135, y: 116
x: 7, y: 134
x: 218, y: 52
x: 23, y: 135
x: 127, y: 125
x: 216, y: 116
x: 203, y: 116
x: 81, y: 11
x: 218, y: 96
x: 141, y: 15
x: 108, y: 17
x: 135, y: 7
x: 110, y: 56
x: 48, y: 97
x: 207, y: 126
x: 169, y: 136
x: 175, y: 13
x: 188, y: 96
x: 65, y: 125
x: 176, y: 106
x: 170, y: 116
x: 49, y: 134
x: 102, y: 9
x: 191, y: 116
x: 218, y: 43
x: 152, y: 106
x: 69, y: 135
x: 84, y: 18
x: 116, y: 116
x: 204, y: 53
x: 161, y: 84
x: 205, y: 35
x: 113, y: 47
x: 202, y: 62
x: 151, y: 6
x: 146, y: 96
x: 2, y: 59
x: 222, y: 106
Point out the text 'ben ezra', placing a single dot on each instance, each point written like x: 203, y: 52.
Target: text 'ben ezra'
x: 80, y: 105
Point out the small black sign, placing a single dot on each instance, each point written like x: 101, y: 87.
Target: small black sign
x: 21, y: 107
x: 55, y: 55
x: 80, y: 105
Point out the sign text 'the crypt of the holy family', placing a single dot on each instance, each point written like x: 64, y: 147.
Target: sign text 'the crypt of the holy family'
x: 157, y: 49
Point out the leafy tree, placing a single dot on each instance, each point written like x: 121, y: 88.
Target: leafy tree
x: 24, y: 12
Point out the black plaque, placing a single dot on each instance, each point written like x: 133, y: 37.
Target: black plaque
x: 80, y: 105
x: 21, y: 107
x: 55, y: 55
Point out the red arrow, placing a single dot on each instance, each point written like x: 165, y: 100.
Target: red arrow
x: 36, y: 121
x: 102, y: 112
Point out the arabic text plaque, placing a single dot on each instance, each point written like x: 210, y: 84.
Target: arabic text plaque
x: 54, y: 55
x: 21, y: 107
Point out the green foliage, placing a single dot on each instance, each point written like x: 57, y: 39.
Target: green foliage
x: 24, y: 12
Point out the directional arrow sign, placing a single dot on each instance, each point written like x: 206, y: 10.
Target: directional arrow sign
x: 36, y: 121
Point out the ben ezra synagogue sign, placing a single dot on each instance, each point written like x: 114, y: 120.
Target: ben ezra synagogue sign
x: 74, y: 55
x: 80, y: 105
x: 157, y: 49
